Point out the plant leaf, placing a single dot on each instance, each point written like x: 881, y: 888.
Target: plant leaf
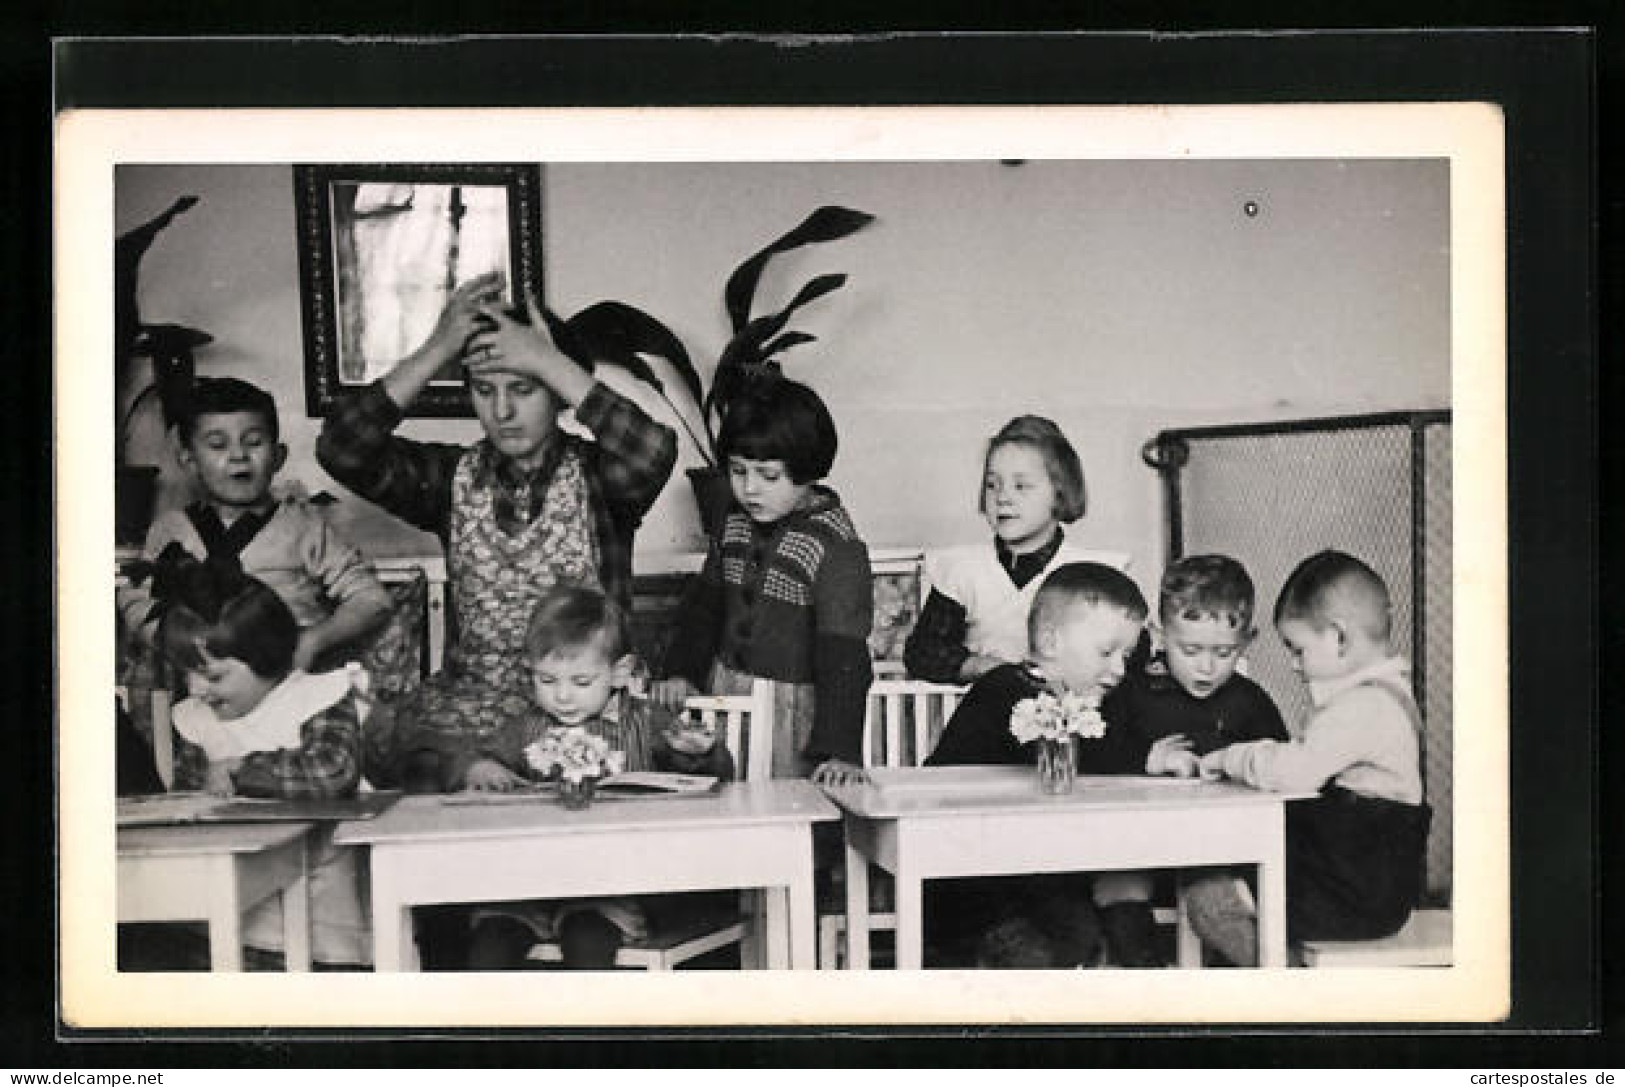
x: 618, y: 333
x: 825, y: 224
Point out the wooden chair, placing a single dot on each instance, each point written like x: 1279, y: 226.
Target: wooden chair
x: 1424, y: 941
x: 745, y: 724
x: 903, y: 720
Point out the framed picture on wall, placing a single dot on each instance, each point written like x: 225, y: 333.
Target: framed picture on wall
x: 381, y: 247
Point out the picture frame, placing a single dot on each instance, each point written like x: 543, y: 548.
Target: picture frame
x: 433, y: 226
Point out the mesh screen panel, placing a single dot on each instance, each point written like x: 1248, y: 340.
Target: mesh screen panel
x: 1272, y: 499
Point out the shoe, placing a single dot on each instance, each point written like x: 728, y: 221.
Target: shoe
x: 1131, y: 935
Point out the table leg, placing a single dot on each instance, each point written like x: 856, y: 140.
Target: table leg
x: 1272, y: 898
x: 857, y: 908
x: 803, y: 918
x: 392, y: 945
x: 296, y: 917
x: 777, y: 902
x: 225, y: 916
x: 910, y: 926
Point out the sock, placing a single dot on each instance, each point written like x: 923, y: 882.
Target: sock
x: 1131, y: 934
x: 588, y: 941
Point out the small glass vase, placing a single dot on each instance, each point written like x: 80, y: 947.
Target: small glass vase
x: 1057, y: 765
x: 575, y: 795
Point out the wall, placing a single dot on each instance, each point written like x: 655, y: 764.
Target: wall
x: 1117, y: 297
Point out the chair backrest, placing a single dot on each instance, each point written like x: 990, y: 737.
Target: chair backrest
x: 744, y: 722
x: 904, y: 719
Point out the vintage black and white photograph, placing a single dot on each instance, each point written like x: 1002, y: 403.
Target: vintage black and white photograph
x: 992, y: 563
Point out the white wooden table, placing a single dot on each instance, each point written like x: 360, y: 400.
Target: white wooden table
x: 216, y: 872
x: 430, y: 849
x: 924, y: 823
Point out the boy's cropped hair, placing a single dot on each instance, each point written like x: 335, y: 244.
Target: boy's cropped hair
x: 572, y: 617
x: 1065, y: 469
x: 1082, y: 583
x: 224, y: 396
x: 781, y: 420
x: 251, y: 624
x: 1207, y: 586
x: 1333, y: 585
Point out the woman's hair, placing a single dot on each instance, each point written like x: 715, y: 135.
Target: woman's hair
x: 780, y: 420
x: 1204, y: 586
x: 237, y: 617
x: 1332, y: 585
x: 572, y: 617
x: 1060, y: 459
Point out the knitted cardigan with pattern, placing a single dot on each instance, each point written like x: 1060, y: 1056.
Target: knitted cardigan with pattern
x: 791, y: 601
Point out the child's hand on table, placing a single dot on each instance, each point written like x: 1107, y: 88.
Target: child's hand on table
x: 218, y: 780
x: 1173, y: 755
x: 839, y: 772
x: 489, y: 776
x: 1212, y: 765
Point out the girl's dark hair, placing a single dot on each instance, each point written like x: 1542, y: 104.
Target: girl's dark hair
x: 245, y: 621
x: 1060, y: 459
x: 572, y: 617
x: 781, y: 420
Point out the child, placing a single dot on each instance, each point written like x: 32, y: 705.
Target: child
x: 228, y: 442
x: 785, y: 590
x: 579, y: 654
x: 975, y: 617
x: 1354, y: 854
x: 254, y: 725
x: 526, y: 508
x: 1086, y: 618
x: 1186, y: 702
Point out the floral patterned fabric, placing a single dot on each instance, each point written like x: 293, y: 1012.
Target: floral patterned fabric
x: 495, y: 578
x: 394, y: 657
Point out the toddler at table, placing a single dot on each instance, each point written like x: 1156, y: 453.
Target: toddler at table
x: 975, y: 616
x: 580, y: 660
x: 785, y: 591
x: 228, y: 433
x: 1086, y: 619
x: 255, y: 725
x: 1185, y: 702
x: 1354, y: 853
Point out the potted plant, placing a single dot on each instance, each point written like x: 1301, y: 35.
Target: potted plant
x: 620, y: 334
x: 170, y: 347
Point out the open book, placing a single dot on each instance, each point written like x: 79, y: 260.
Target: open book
x: 192, y: 807
x: 632, y: 784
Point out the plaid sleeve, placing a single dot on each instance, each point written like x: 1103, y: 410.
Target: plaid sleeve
x: 636, y: 453
x: 327, y: 762
x: 359, y: 448
x: 935, y: 649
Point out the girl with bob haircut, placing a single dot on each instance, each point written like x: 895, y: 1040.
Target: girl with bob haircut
x: 975, y: 615
x: 785, y: 591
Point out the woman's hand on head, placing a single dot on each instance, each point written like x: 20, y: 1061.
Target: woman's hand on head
x: 509, y: 346
x: 462, y: 316
x: 490, y: 776
x: 839, y: 772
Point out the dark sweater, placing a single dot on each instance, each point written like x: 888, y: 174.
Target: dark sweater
x: 979, y: 731
x: 1150, y: 704
x: 791, y: 601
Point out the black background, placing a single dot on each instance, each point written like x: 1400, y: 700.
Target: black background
x: 1560, y: 90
